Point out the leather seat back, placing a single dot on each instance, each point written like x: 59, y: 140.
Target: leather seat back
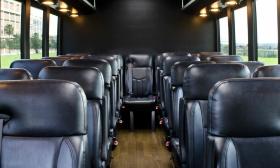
x: 224, y: 58
x: 242, y: 132
x: 267, y: 71
x: 139, y: 76
x: 33, y: 66
x: 92, y: 82
x: 105, y: 68
x: 177, y: 79
x: 47, y: 124
x: 168, y: 62
x: 252, y: 65
x: 198, y: 80
x: 15, y: 74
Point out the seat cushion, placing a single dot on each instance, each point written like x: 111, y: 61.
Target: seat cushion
x: 139, y: 101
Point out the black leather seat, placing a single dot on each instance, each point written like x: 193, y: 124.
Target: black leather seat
x: 177, y: 77
x: 167, y: 63
x: 92, y: 82
x: 252, y: 65
x: 198, y: 80
x: 15, y: 74
x: 106, y: 71
x: 224, y: 58
x: 243, y: 124
x: 113, y: 61
x: 44, y: 124
x: 33, y: 66
x: 139, y: 84
x: 267, y: 71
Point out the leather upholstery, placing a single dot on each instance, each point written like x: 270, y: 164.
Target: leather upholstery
x: 15, y: 74
x: 198, y: 80
x: 107, y: 114
x: 224, y: 58
x: 252, y: 65
x: 102, y: 65
x: 47, y: 125
x: 33, y: 66
x: 242, y: 132
x: 140, y: 60
x: 168, y: 62
x: 267, y: 71
x: 91, y: 80
x: 177, y: 78
x: 139, y: 80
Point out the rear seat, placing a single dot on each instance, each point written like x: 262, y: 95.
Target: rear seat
x: 92, y: 82
x: 252, y: 65
x: 44, y: 124
x: 33, y: 66
x: 58, y: 60
x: 139, y: 85
x: 243, y: 124
x: 106, y: 71
x: 198, y: 80
x: 15, y: 74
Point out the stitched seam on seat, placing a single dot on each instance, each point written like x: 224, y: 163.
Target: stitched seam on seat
x: 72, y: 152
x: 237, y: 155
x: 58, y: 152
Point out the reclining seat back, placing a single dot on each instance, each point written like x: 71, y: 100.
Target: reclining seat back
x: 168, y: 62
x: 267, y: 71
x: 198, y: 80
x: 33, y: 66
x: 15, y: 74
x: 139, y: 77
x: 224, y: 58
x: 252, y: 65
x: 44, y: 124
x: 105, y: 68
x: 92, y: 82
x: 114, y: 84
x: 177, y: 78
x: 242, y: 132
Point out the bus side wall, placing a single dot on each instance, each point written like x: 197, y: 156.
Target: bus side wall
x: 137, y: 26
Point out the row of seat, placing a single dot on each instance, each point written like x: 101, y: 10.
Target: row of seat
x: 100, y: 79
x: 189, y: 114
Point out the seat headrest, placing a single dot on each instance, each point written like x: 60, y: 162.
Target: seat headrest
x: 101, y: 65
x: 200, y: 78
x: 267, y: 71
x: 43, y: 108
x: 140, y: 60
x: 15, y: 74
x: 33, y: 66
x: 210, y: 53
x: 245, y: 108
x: 171, y: 60
x: 90, y: 79
x: 110, y: 59
x: 224, y: 58
x: 178, y: 70
x: 58, y: 60
x: 252, y: 65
